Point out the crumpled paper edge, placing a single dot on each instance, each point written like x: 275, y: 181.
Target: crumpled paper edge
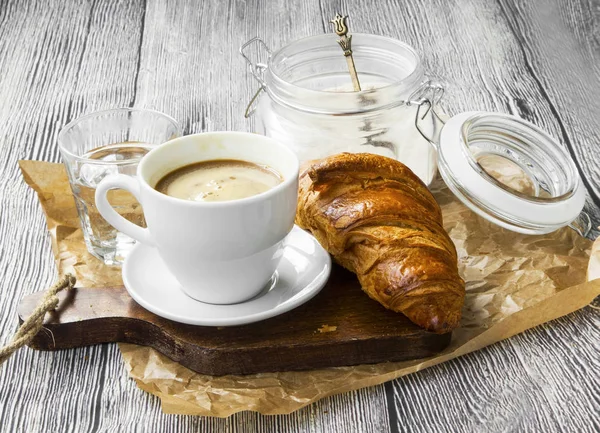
x: 360, y: 376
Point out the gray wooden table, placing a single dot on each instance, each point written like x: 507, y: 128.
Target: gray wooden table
x: 60, y: 59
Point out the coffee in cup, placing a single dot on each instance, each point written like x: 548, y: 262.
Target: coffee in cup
x: 219, y: 180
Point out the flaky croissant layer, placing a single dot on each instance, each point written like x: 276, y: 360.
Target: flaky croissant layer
x: 378, y: 220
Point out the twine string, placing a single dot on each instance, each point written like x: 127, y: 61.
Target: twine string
x: 35, y: 322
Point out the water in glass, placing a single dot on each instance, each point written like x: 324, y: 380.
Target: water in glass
x: 100, y: 144
x: 101, y: 238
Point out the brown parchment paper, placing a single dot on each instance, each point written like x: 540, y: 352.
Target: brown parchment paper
x: 593, y: 271
x: 514, y: 282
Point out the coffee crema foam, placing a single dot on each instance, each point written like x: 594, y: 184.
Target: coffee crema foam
x: 218, y: 180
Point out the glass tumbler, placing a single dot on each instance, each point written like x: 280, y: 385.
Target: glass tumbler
x: 100, y: 144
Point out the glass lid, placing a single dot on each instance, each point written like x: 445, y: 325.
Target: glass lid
x: 510, y: 172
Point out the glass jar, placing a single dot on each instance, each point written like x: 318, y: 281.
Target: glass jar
x: 310, y: 104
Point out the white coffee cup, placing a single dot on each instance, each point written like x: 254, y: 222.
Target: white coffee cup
x: 220, y: 252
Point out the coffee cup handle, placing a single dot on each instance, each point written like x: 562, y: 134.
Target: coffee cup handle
x: 127, y: 183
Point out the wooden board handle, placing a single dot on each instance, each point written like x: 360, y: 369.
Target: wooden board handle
x: 358, y: 331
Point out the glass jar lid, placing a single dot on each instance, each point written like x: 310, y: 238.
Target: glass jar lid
x: 510, y: 172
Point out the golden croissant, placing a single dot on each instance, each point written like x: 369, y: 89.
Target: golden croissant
x: 378, y: 220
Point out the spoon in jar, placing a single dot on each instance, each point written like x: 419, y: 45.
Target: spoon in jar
x: 345, y: 41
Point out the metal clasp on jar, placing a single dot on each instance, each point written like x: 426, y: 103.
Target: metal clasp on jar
x: 257, y: 69
x: 427, y: 97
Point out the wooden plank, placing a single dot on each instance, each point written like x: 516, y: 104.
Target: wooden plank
x: 53, y: 67
x: 61, y: 59
x: 564, y: 65
x: 501, y: 62
x: 365, y: 332
x: 538, y: 381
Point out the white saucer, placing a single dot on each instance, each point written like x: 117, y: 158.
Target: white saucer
x: 301, y: 274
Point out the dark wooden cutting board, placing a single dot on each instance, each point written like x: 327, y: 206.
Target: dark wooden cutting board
x: 339, y: 326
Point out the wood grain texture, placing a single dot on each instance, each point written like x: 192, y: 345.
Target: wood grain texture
x: 60, y: 59
x: 364, y: 332
x: 522, y: 59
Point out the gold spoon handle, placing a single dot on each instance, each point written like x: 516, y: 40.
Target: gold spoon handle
x: 345, y: 41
